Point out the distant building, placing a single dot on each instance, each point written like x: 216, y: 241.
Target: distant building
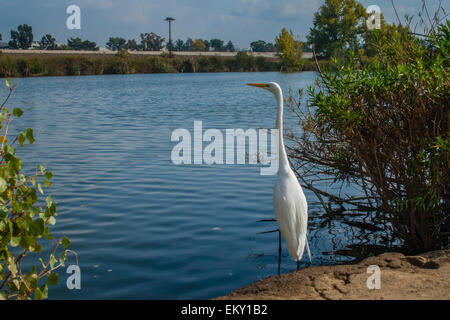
x: 4, y: 45
x: 35, y: 45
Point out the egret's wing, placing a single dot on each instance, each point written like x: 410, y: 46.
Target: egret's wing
x: 290, y: 211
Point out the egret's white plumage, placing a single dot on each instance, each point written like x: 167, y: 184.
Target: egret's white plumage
x: 291, y: 208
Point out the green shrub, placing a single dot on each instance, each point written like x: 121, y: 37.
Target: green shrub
x: 384, y: 127
x: 24, y: 223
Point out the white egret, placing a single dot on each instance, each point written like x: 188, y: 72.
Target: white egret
x: 291, y: 208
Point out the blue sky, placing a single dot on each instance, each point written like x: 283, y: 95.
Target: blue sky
x: 241, y: 21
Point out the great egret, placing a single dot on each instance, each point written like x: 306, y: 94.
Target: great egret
x: 291, y: 208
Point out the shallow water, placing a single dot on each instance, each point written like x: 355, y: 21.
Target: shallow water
x: 143, y: 227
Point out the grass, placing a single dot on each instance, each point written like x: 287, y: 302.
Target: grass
x: 20, y: 65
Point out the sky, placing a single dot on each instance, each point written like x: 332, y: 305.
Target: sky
x: 241, y: 21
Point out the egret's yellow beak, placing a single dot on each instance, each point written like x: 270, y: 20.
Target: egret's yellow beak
x: 259, y: 85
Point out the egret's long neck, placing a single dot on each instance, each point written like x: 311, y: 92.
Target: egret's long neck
x: 283, y: 159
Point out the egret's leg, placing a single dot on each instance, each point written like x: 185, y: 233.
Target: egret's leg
x: 279, y: 252
x: 298, y: 265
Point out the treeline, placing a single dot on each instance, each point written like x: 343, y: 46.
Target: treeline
x: 123, y: 63
x: 23, y: 38
x: 202, y: 45
x: 11, y: 66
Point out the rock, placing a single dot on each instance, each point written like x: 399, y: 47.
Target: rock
x: 417, y: 261
x: 402, y: 278
x: 395, y: 263
x: 431, y: 265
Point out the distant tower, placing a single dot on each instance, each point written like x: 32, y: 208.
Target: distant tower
x: 169, y: 19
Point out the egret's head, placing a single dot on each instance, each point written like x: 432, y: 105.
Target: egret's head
x: 271, y: 86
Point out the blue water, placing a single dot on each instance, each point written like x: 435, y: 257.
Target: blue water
x: 143, y: 227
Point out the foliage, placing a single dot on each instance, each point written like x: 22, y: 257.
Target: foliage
x: 203, y: 45
x: 217, y: 45
x: 290, y: 51
x: 62, y: 65
x: 229, y: 47
x: 337, y: 26
x: 24, y: 223
x: 132, y: 45
x: 48, y: 42
x: 198, y: 45
x: 123, y: 53
x: 262, y: 46
x: 22, y: 38
x: 78, y: 44
x: 384, y: 127
x: 207, y: 45
x: 179, y: 45
x: 116, y: 43
x: 151, y: 42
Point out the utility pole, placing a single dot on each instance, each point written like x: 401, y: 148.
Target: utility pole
x: 170, y: 19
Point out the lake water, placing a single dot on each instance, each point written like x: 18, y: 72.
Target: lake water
x: 143, y: 227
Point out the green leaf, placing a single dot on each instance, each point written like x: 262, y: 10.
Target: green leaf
x: 49, y: 175
x: 37, y: 227
x: 52, y: 221
x: 8, y: 83
x: 65, y: 242
x: 40, y: 188
x: 15, y: 241
x: 29, y: 135
x: 3, y: 185
x: 17, y: 112
x: 62, y: 258
x: 47, y: 234
x: 12, y: 266
x: 21, y: 138
x: 41, y: 293
x: 52, y: 279
x: 52, y: 261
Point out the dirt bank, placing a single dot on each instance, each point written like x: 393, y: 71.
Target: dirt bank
x: 426, y: 276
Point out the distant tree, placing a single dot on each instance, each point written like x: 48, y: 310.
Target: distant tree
x: 152, y: 42
x: 116, y: 44
x: 188, y: 45
x: 22, y: 38
x: 217, y: 44
x: 207, y: 45
x: 178, y: 45
x: 290, y: 51
x: 0, y: 36
x: 78, y: 44
x: 48, y: 42
x: 132, y: 45
x: 387, y: 32
x: 337, y: 25
x: 198, y: 45
x: 270, y: 47
x: 230, y: 47
x: 262, y: 46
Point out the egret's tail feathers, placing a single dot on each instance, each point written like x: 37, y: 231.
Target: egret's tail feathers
x: 309, y: 251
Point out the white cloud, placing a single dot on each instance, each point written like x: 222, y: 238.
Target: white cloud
x: 139, y: 13
x: 280, y: 8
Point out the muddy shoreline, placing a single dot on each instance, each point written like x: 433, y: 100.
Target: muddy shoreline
x: 425, y: 276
